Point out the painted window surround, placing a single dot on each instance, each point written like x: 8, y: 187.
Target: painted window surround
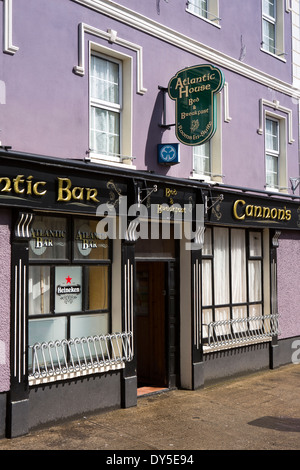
x: 272, y: 109
x: 80, y: 69
x: 279, y: 53
x: 164, y: 33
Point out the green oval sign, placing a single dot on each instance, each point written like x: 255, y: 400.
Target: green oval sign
x: 194, y: 91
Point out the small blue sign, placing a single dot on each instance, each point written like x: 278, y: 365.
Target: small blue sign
x: 168, y: 154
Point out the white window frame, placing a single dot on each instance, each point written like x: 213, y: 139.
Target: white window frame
x: 272, y: 152
x: 215, y: 150
x: 210, y: 13
x: 278, y: 22
x: 205, y: 175
x: 126, y: 96
x: 116, y: 108
x: 280, y: 154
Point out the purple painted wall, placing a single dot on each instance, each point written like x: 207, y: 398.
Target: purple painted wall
x: 5, y: 255
x: 47, y: 105
x: 289, y: 281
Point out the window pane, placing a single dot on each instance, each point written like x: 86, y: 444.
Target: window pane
x: 68, y: 289
x: 271, y: 170
x: 39, y: 290
x: 240, y: 313
x: 89, y: 325
x: 254, y: 274
x: 238, y: 266
x: 206, y: 282
x: 255, y: 244
x: 272, y: 135
x: 207, y: 247
x: 45, y: 330
x: 105, y: 131
x: 88, y: 243
x: 269, y: 36
x: 222, y: 314
x: 207, y: 318
x: 201, y: 155
x: 199, y: 7
x: 104, y: 80
x: 48, y: 239
x: 98, y: 291
x: 221, y: 266
x: 269, y: 8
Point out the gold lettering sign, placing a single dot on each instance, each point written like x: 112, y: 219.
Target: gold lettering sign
x: 242, y: 211
x: 22, y: 186
x: 78, y: 193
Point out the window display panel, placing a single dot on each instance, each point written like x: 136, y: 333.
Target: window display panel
x: 39, y: 290
x: 88, y: 244
x: 68, y: 289
x: 97, y: 280
x: 45, y: 331
x: 49, y: 238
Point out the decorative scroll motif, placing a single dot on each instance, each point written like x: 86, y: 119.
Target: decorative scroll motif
x: 22, y: 228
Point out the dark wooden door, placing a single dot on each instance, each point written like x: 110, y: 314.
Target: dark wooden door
x: 151, y: 323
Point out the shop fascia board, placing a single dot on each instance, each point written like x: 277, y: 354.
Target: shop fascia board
x: 132, y: 175
x: 153, y: 28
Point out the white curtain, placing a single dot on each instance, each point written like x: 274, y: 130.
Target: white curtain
x: 221, y: 266
x: 238, y: 266
x: 254, y: 273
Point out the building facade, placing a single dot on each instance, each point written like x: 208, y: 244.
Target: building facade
x: 149, y: 199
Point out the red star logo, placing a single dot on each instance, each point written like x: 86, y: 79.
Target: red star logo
x: 68, y: 279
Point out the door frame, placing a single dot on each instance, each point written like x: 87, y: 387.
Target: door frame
x: 171, y: 320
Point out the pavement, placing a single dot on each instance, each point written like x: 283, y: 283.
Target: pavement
x: 260, y: 411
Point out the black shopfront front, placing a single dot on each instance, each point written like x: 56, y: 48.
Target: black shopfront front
x: 117, y: 282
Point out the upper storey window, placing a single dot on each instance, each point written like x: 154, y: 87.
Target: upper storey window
x: 206, y: 9
x: 106, y: 107
x: 272, y: 27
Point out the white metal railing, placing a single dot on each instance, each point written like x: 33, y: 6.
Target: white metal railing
x: 60, y: 359
x: 226, y: 333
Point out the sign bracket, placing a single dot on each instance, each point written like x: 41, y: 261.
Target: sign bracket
x: 164, y: 125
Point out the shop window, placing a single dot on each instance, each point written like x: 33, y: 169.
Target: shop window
x: 68, y: 281
x: 272, y: 27
x: 205, y: 9
x: 110, y: 107
x: 232, y: 281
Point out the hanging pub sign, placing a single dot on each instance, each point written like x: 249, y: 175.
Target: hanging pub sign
x: 194, y: 91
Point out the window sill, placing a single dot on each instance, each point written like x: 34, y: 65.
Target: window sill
x: 273, y: 55
x: 213, y: 23
x: 205, y: 178
x: 103, y: 161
